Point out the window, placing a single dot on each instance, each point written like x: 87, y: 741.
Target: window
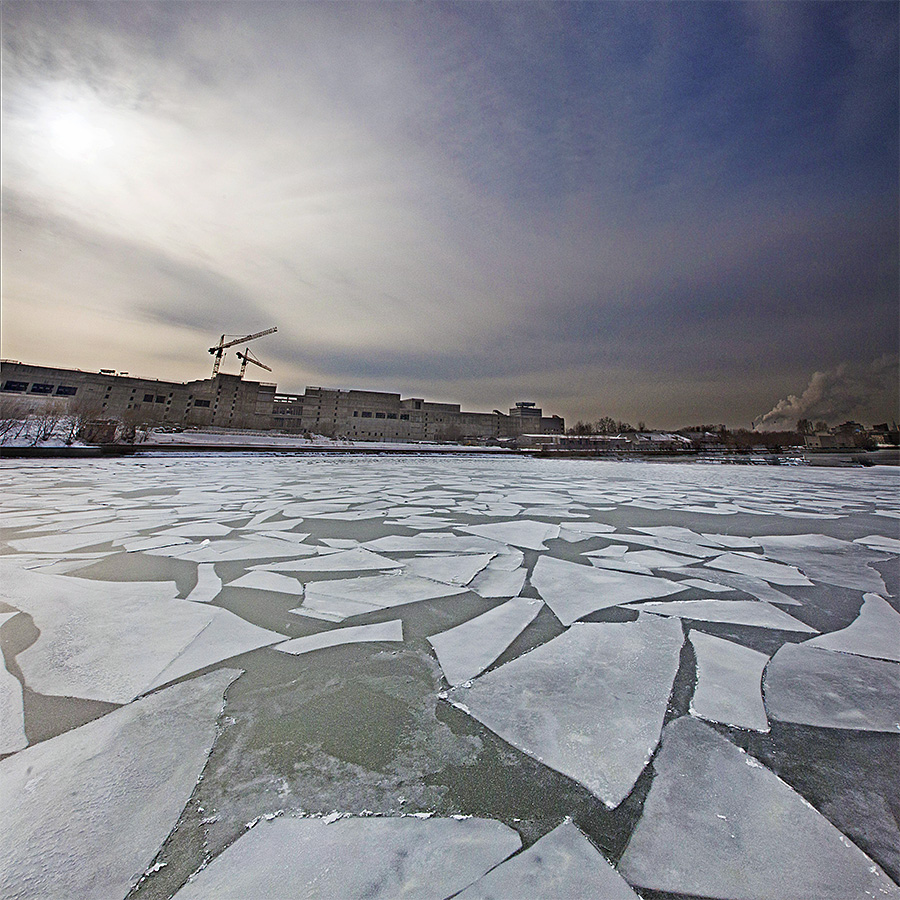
x: 148, y: 398
x: 204, y: 403
x: 42, y: 389
x: 379, y: 415
x: 65, y: 390
x: 17, y: 386
x: 160, y: 399
x: 355, y: 412
x: 366, y: 415
x: 392, y: 415
x: 404, y: 417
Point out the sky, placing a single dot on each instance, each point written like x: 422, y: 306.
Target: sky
x: 675, y: 213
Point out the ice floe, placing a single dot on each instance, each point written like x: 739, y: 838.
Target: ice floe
x: 880, y: 542
x: 111, y: 640
x: 520, y: 533
x: 468, y: 649
x: 718, y: 824
x: 748, y: 584
x: 832, y: 690
x: 208, y: 584
x: 355, y: 859
x: 12, y: 712
x: 729, y: 683
x: 85, y: 812
x: 874, y: 632
x: 379, y: 631
x: 494, y: 582
x: 572, y: 590
x: 562, y: 864
x: 826, y: 559
x: 750, y: 564
x: 449, y: 569
x: 735, y: 612
x: 356, y: 559
x: 589, y: 703
x: 338, y: 600
x: 275, y: 582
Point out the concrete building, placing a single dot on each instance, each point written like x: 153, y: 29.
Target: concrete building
x: 227, y: 401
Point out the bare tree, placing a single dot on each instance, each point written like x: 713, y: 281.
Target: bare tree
x: 13, y: 418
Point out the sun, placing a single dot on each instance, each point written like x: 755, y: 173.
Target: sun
x: 74, y: 136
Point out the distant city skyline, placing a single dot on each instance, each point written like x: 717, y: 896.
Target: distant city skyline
x: 671, y: 212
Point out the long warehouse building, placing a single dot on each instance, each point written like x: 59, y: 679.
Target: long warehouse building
x: 228, y: 401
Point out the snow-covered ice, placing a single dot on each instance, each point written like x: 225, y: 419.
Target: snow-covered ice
x: 832, y: 690
x: 356, y: 559
x: 562, y: 864
x: 12, y: 712
x: 354, y: 859
x: 589, y: 703
x: 572, y: 590
x: 379, y: 631
x: 729, y: 682
x: 716, y: 823
x: 468, y: 649
x: 84, y: 813
x: 736, y: 612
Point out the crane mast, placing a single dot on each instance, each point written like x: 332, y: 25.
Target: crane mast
x: 219, y: 350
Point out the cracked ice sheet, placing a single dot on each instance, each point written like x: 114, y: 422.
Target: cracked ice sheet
x: 827, y: 559
x: 757, y: 613
x: 338, y: 600
x: 717, y: 823
x: 353, y: 859
x: 832, y: 690
x: 520, y: 533
x: 563, y: 863
x: 589, y: 703
x: 746, y: 564
x: 85, y: 812
x: 875, y: 632
x: 110, y: 641
x: 572, y: 590
x: 468, y: 649
x: 229, y: 549
x: 380, y: 631
x: 729, y: 683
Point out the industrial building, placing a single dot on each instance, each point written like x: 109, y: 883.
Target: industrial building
x: 230, y: 401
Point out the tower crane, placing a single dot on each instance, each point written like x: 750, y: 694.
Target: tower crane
x: 219, y: 350
x: 246, y: 357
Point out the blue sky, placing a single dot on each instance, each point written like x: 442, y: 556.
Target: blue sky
x: 675, y: 212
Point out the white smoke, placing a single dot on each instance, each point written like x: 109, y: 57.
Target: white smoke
x: 866, y: 394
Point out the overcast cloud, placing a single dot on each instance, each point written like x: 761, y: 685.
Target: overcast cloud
x: 675, y: 212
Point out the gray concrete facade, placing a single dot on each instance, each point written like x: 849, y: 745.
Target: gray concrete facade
x: 227, y: 401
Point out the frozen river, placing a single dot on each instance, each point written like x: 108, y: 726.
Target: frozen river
x: 276, y: 677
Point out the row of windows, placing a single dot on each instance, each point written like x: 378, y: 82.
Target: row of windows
x: 20, y: 387
x: 380, y: 415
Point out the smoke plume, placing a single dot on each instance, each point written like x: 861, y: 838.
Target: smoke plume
x: 865, y: 394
